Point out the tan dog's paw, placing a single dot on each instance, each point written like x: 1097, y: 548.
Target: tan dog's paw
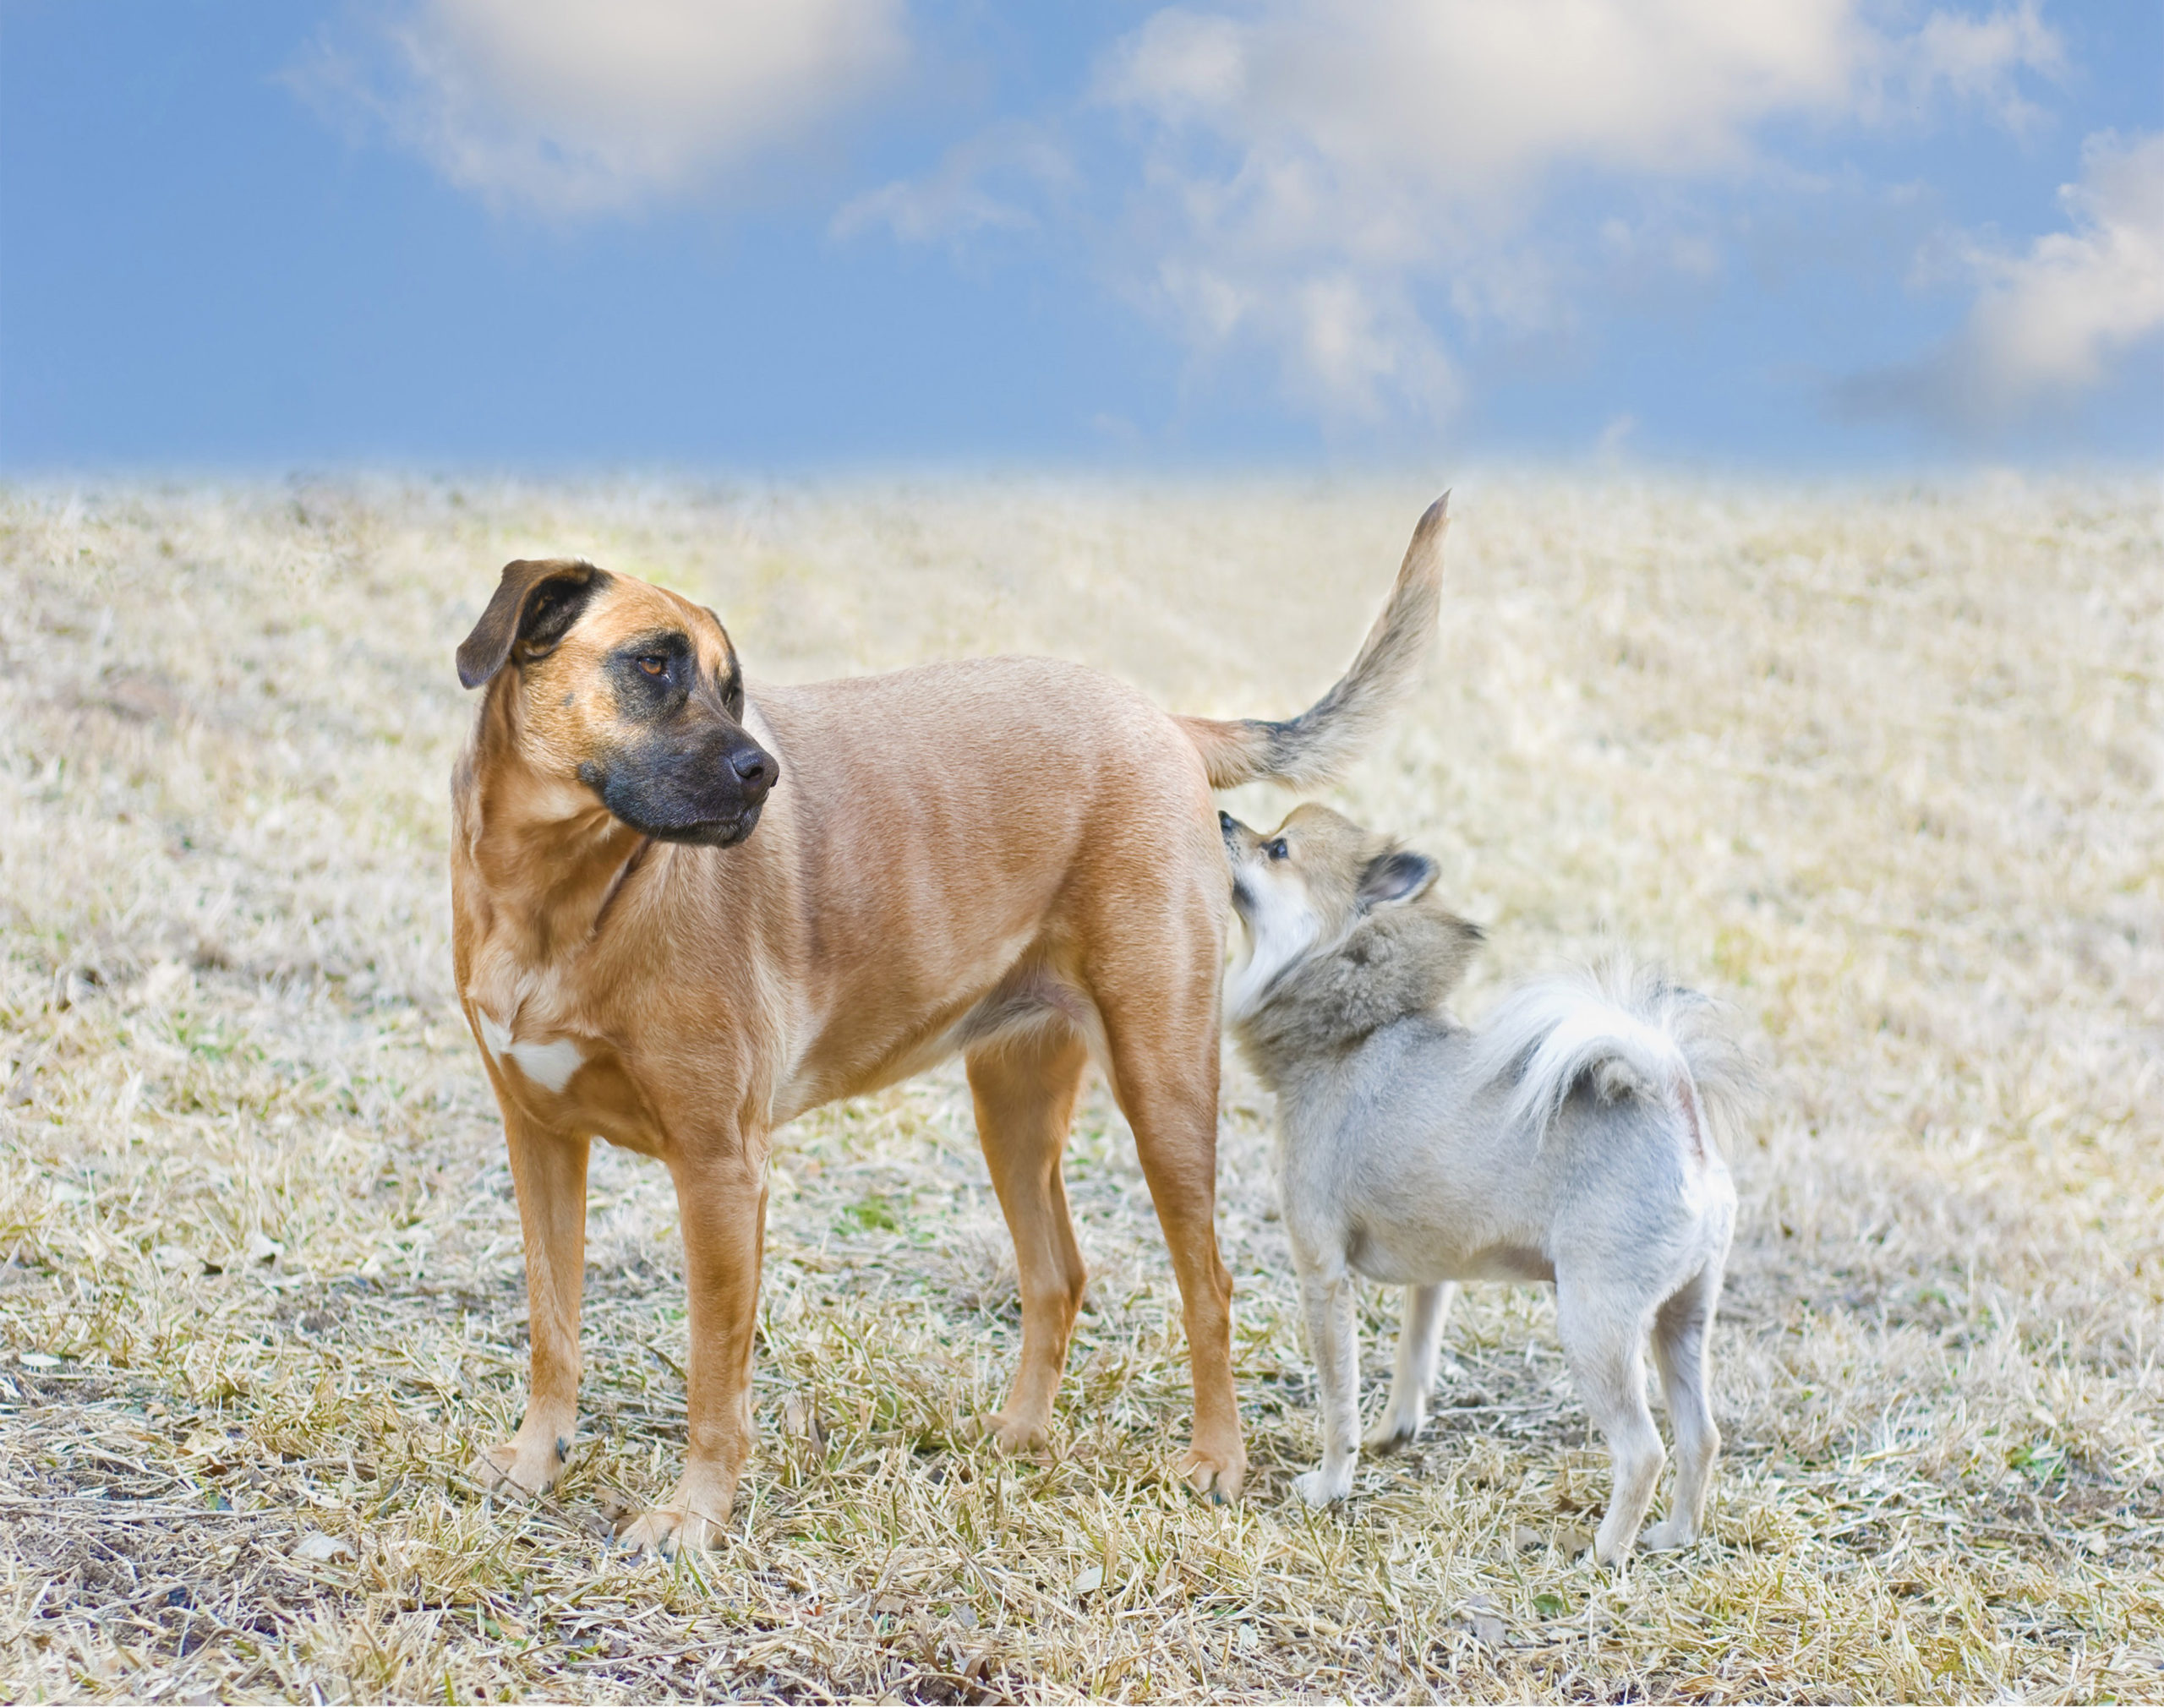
x: 662, y: 1530
x: 524, y: 1464
x: 1017, y: 1434
x: 1219, y: 1473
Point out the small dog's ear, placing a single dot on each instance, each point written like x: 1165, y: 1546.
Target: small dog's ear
x: 1397, y: 876
x: 534, y: 605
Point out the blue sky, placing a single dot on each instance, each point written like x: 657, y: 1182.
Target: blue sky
x: 783, y: 234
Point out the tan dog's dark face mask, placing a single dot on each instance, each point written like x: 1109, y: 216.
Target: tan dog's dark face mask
x: 627, y: 692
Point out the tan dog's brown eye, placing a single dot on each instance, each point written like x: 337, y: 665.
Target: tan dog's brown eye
x: 1277, y: 850
x: 652, y: 664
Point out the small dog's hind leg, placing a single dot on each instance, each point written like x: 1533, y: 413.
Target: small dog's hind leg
x: 1419, y: 1343
x: 1025, y: 1090
x: 1605, y: 1346
x: 1680, y: 1331
x: 1334, y: 1343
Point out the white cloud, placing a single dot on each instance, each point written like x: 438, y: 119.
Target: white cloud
x: 1976, y: 58
x: 1315, y: 169
x: 578, y: 106
x: 1470, y: 99
x: 2050, y: 322
x: 959, y: 200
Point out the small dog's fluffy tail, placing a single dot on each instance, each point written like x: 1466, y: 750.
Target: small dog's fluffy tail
x: 1629, y: 1030
x: 1313, y: 747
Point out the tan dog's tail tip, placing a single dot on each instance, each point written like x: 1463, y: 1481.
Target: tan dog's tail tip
x: 1315, y: 747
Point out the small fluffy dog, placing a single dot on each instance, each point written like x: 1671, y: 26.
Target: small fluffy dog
x: 1567, y: 1140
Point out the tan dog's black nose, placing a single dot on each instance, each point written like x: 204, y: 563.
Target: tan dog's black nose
x: 756, y: 770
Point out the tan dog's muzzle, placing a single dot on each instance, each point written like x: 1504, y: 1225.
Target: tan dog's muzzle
x: 704, y: 785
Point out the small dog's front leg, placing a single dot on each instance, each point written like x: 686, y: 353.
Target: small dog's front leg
x: 1420, y: 1340
x: 1334, y: 1343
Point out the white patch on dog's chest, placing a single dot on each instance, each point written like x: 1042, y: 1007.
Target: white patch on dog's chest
x: 495, y: 1036
x: 548, y: 1065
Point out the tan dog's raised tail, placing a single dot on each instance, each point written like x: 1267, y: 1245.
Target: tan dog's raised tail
x: 685, y: 910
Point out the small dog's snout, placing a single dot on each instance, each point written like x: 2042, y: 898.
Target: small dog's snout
x: 756, y: 770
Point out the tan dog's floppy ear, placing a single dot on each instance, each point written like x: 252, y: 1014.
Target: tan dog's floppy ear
x: 536, y: 604
x: 1397, y: 876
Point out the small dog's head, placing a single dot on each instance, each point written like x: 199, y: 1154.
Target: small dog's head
x: 1307, y: 884
x: 624, y: 692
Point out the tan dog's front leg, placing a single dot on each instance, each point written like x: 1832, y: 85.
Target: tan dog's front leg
x: 549, y: 1173
x: 722, y: 1205
x: 1024, y: 1093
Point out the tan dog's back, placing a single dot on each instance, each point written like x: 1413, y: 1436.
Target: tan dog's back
x: 1024, y: 789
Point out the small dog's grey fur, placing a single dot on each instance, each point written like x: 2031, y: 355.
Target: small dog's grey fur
x: 1572, y: 1138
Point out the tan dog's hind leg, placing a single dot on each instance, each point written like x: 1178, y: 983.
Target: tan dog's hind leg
x: 1024, y: 1091
x: 1164, y: 1063
x: 549, y: 1173
x: 721, y: 1204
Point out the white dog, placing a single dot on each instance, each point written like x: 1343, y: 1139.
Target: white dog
x: 1567, y: 1140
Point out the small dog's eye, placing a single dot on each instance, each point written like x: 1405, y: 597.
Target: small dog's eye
x: 1277, y: 850
x: 652, y: 664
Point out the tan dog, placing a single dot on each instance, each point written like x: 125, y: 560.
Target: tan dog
x: 1013, y: 858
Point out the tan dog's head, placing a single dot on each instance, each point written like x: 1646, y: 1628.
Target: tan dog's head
x: 1305, y: 884
x: 625, y: 690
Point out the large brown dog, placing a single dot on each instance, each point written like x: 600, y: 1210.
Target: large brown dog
x: 1014, y: 858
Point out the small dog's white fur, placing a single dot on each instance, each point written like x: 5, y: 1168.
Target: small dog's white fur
x: 1284, y: 928
x: 1568, y: 1140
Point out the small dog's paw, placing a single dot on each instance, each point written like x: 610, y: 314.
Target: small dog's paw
x: 521, y: 1465
x: 1612, y: 1551
x: 1668, y: 1534
x: 1390, y: 1433
x: 1019, y: 1434
x: 1314, y: 1487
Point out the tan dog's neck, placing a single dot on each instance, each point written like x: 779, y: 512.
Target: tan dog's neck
x: 550, y: 856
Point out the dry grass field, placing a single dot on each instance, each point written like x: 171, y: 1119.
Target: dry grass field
x: 1883, y: 768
